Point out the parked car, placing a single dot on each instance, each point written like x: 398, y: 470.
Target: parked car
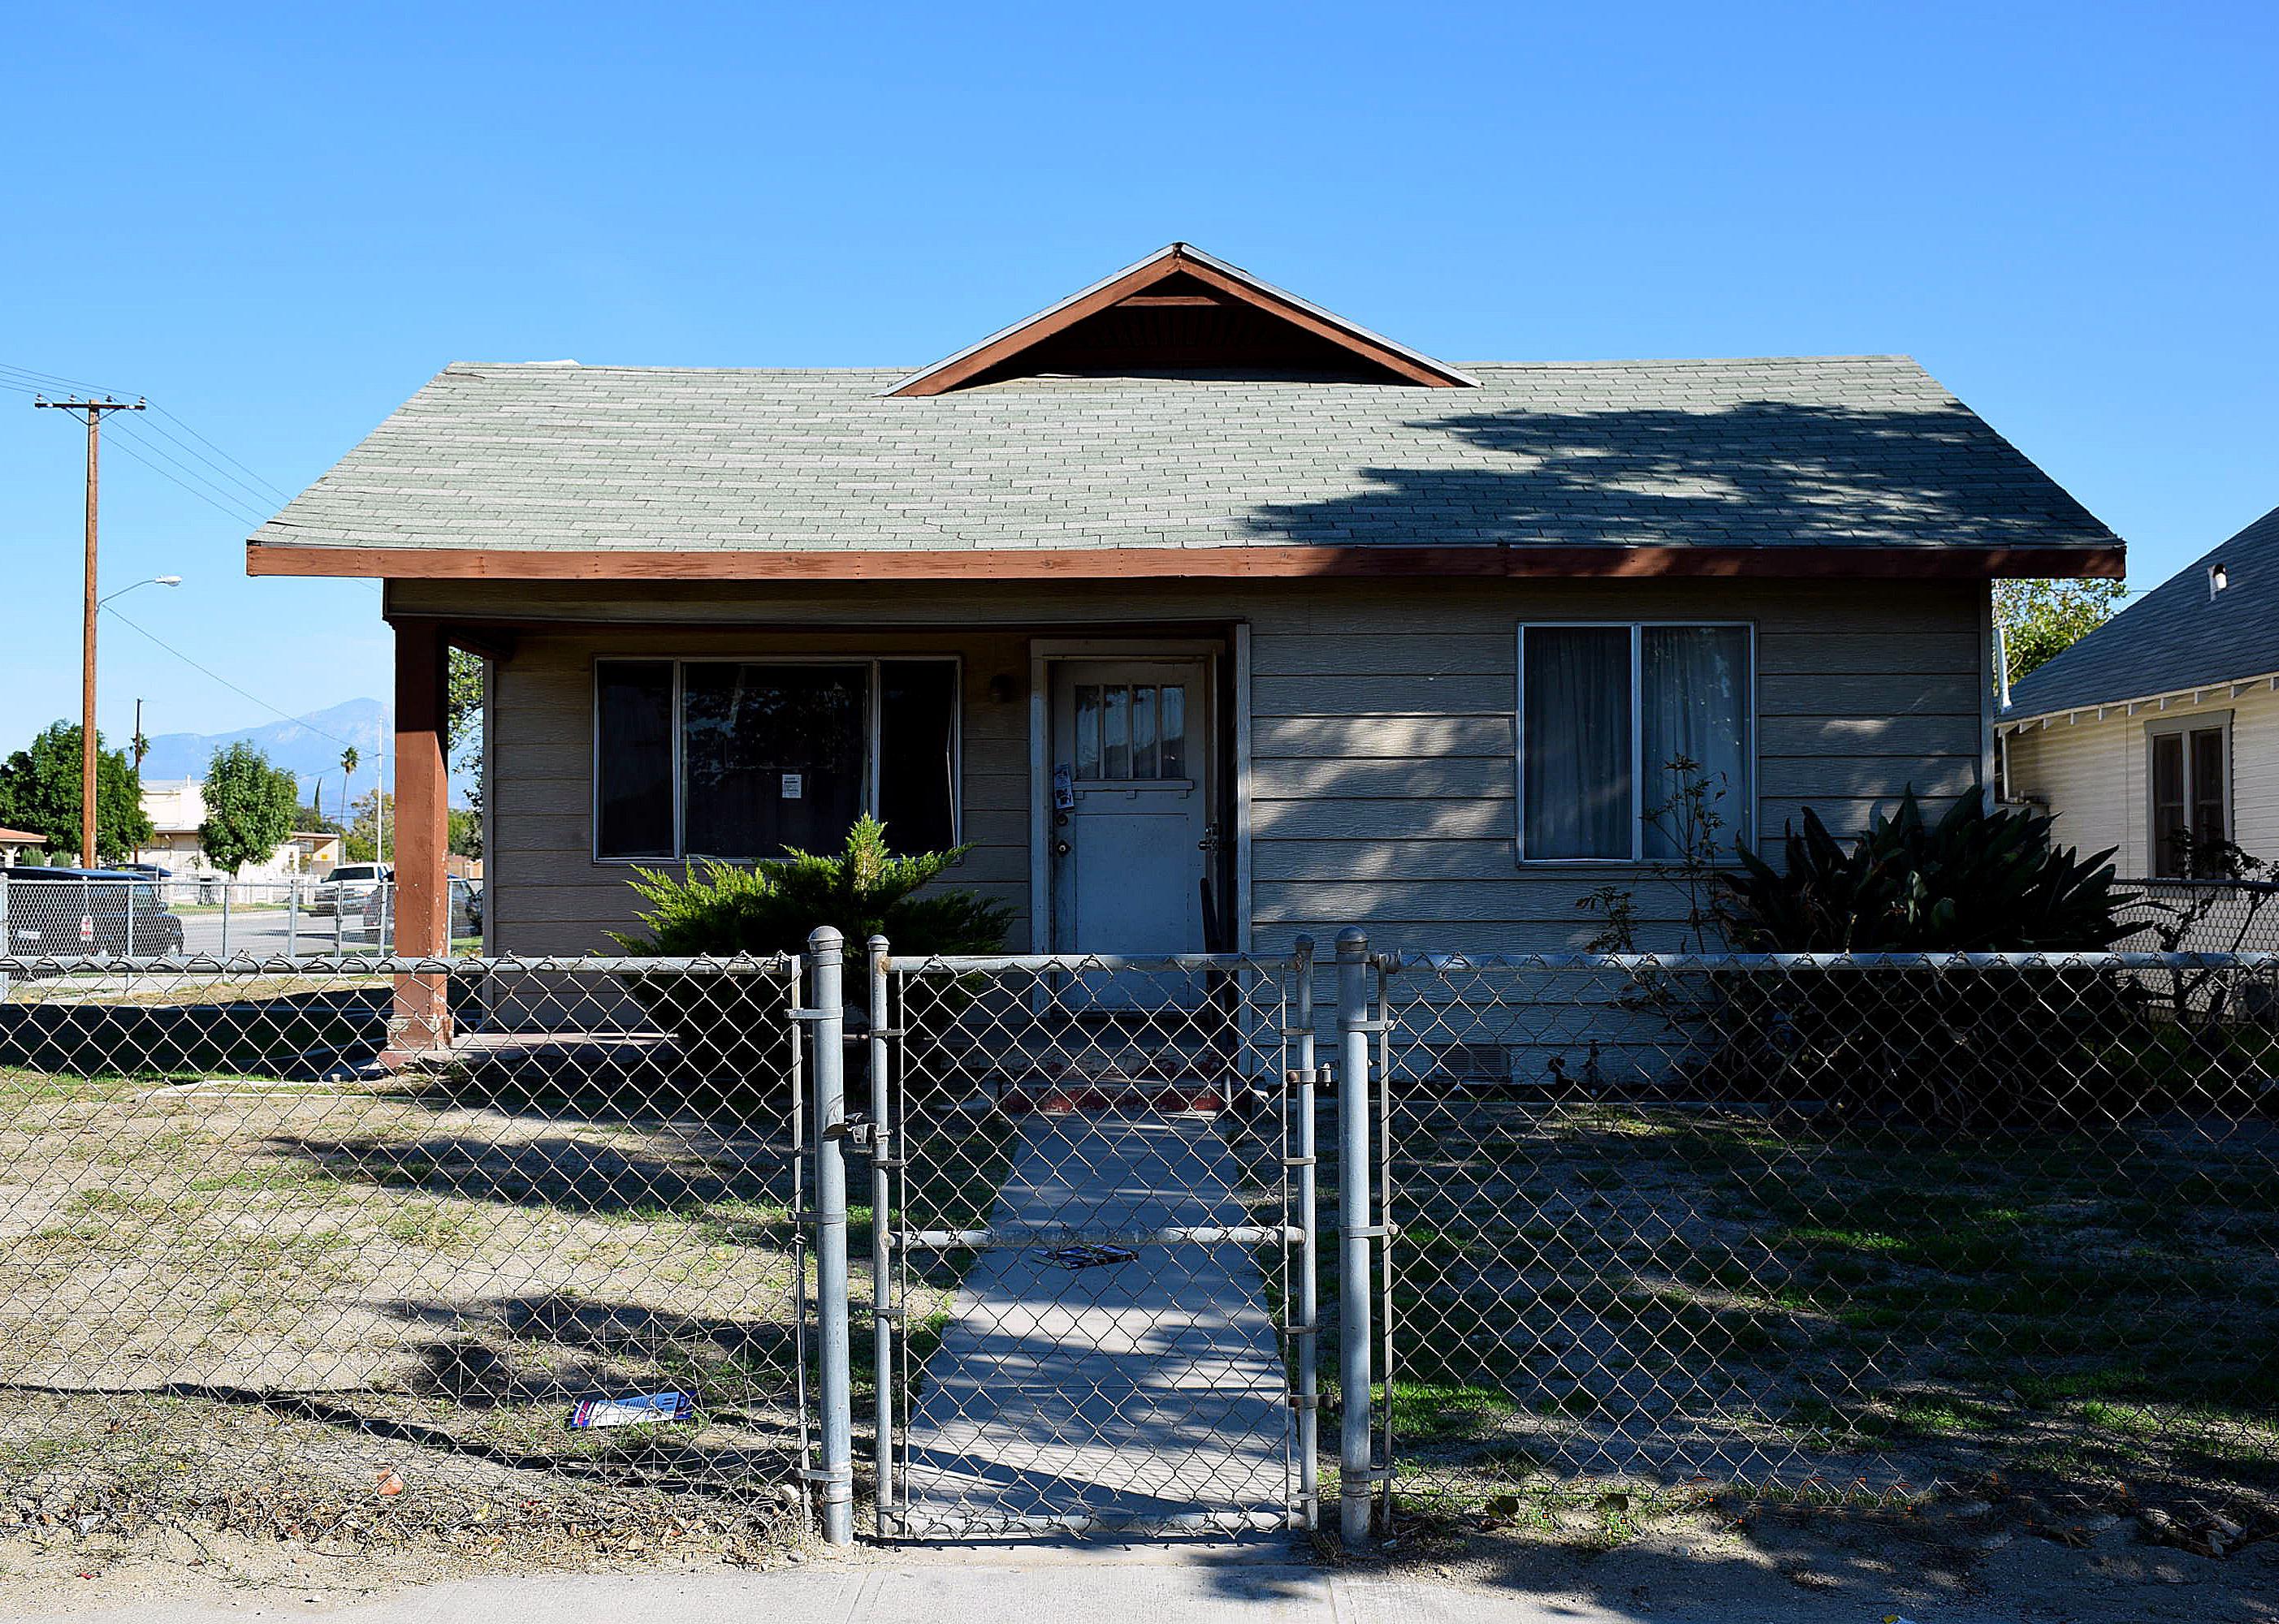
x: 371, y: 917
x: 344, y: 885
x: 60, y: 913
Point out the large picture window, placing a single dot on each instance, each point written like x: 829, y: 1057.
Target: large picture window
x: 744, y: 759
x: 1607, y: 712
x: 2189, y: 776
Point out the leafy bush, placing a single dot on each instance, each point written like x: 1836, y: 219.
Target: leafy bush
x: 1973, y: 881
x: 2013, y: 1046
x: 736, y: 1019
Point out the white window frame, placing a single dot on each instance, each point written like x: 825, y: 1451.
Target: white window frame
x: 2182, y: 727
x: 872, y: 726
x: 1636, y: 628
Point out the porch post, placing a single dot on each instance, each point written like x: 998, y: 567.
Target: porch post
x: 422, y: 1019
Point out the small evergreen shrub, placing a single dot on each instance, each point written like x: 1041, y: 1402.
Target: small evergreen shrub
x: 736, y: 1018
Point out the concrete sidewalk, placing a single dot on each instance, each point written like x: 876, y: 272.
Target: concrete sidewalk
x: 1145, y: 1391
x: 929, y: 1593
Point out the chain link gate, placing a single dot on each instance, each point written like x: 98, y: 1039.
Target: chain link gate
x: 1093, y: 1251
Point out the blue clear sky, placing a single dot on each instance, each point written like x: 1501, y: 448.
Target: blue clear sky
x: 277, y: 222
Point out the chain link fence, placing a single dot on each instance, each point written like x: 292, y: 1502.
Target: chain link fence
x: 1863, y: 1225
x: 1093, y: 1239
x: 2205, y: 917
x: 68, y: 913
x: 1873, y: 1225
x: 262, y: 1274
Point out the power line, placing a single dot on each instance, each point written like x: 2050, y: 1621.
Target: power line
x: 197, y: 484
x: 243, y: 487
x: 227, y: 512
x: 218, y: 451
x: 226, y: 683
x: 56, y: 380
x: 213, y: 473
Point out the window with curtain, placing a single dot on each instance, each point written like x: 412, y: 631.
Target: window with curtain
x: 2188, y: 779
x: 1615, y: 722
x: 744, y: 759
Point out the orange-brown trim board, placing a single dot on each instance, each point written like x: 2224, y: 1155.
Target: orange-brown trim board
x: 1859, y: 563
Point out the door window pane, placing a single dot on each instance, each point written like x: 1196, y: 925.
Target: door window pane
x: 632, y: 758
x: 2167, y: 803
x: 1143, y: 732
x: 1576, y: 742
x: 771, y: 756
x: 1116, y: 732
x: 1693, y: 708
x: 1173, y: 728
x: 1088, y: 729
x: 917, y: 753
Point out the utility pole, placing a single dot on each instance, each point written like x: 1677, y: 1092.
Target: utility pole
x: 142, y: 745
x: 93, y: 410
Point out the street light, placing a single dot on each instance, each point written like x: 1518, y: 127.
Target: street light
x: 86, y: 781
x: 156, y: 580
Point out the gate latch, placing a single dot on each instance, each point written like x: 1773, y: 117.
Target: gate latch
x: 856, y: 1132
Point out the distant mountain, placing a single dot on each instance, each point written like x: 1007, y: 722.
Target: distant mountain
x: 305, y: 747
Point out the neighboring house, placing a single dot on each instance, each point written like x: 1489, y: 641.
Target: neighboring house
x: 177, y: 810
x: 2164, y: 719
x: 1182, y: 600
x: 15, y: 843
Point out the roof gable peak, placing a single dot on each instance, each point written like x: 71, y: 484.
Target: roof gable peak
x: 1182, y: 310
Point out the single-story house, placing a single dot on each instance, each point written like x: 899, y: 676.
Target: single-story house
x: 2165, y: 720
x: 14, y: 843
x: 1203, y: 615
x: 177, y: 810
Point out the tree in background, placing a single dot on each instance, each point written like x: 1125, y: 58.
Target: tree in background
x: 250, y: 806
x: 371, y: 828
x: 2041, y: 619
x: 464, y: 834
x: 463, y: 743
x: 39, y: 792
x: 311, y: 817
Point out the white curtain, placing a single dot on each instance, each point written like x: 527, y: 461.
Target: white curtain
x: 1575, y: 741
x: 1694, y: 704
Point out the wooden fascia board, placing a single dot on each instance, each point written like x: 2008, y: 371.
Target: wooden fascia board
x: 949, y: 375
x: 1196, y: 562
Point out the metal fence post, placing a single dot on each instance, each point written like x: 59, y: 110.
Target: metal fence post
x: 226, y: 889
x: 1355, y: 1231
x: 293, y: 918
x: 884, y: 1310
x: 826, y: 1017
x: 1307, y: 1352
x: 7, y: 936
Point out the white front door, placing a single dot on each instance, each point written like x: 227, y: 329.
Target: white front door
x: 1130, y: 823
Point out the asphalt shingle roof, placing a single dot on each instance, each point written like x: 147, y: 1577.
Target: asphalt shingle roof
x: 1849, y: 450
x: 2174, y: 636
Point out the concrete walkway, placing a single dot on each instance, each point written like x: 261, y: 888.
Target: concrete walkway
x: 1147, y: 1392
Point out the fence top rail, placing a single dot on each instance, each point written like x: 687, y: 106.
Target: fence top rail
x: 1632, y: 963
x: 948, y: 964
x: 2179, y: 883
x: 382, y: 964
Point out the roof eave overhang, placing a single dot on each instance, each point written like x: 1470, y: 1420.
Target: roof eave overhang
x: 2016, y: 720
x: 1261, y: 562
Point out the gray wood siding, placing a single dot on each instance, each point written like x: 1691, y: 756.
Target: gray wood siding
x: 1381, y: 732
